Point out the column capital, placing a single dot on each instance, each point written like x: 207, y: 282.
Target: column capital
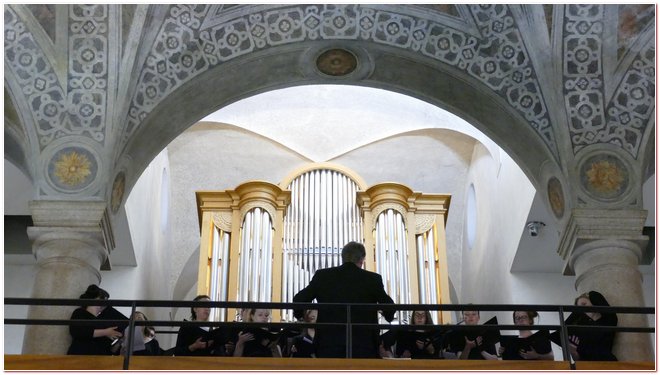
x: 83, y: 246
x: 601, y: 226
x: 51, y: 213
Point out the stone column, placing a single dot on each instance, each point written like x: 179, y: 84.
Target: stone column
x: 69, y: 247
x: 603, y: 249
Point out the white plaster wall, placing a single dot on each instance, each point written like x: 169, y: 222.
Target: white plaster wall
x: 503, y: 198
x: 19, y: 280
x: 649, y: 285
x: 214, y: 157
x: 18, y: 190
x: 152, y: 243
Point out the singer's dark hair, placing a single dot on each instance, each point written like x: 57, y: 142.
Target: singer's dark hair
x: 192, y: 309
x: 94, y: 292
x: 427, y: 316
x: 530, y: 314
x: 597, y: 299
x: 469, y: 304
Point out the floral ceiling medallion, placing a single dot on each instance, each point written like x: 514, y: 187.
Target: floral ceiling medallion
x: 72, y: 168
x: 604, y: 177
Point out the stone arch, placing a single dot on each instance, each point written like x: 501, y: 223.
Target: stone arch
x: 424, y: 79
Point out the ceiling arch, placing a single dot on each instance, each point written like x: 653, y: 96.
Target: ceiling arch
x: 453, y: 91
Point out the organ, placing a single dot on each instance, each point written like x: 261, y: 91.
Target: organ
x: 262, y: 242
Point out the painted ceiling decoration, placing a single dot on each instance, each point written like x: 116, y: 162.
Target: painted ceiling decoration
x: 189, y: 44
x: 83, y: 88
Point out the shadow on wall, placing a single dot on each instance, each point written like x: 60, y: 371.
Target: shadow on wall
x: 187, y: 279
x: 454, y: 299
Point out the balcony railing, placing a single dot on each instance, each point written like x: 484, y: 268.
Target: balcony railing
x: 562, y: 327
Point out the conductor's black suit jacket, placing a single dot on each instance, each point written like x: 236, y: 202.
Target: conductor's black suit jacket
x: 346, y: 284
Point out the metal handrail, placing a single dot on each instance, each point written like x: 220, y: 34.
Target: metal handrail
x: 133, y: 304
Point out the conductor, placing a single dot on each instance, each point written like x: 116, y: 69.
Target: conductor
x: 347, y: 283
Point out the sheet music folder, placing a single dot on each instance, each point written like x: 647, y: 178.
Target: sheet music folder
x: 110, y: 313
x: 512, y: 345
x: 576, y: 318
x: 489, y: 336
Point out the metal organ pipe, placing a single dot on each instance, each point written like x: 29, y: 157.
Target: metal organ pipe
x: 431, y: 268
x: 225, y: 271
x: 254, y: 255
x: 245, y: 258
x: 255, y: 272
x: 213, y: 267
x: 323, y: 225
x: 335, y: 216
x: 390, y: 258
x: 322, y: 217
x: 318, y: 199
x: 298, y: 239
x: 403, y: 258
x: 379, y: 249
x: 420, y: 267
x: 308, y: 224
x: 392, y: 254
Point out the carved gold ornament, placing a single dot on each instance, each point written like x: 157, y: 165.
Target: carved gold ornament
x: 222, y: 220
x: 72, y: 168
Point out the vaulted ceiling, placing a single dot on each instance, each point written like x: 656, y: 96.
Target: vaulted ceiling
x: 564, y: 89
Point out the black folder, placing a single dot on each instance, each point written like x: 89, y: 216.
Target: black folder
x: 261, y: 334
x: 217, y: 335
x: 110, y: 313
x: 457, y: 337
x: 432, y: 335
x: 490, y: 336
x: 539, y: 341
x: 576, y: 318
x: 409, y: 338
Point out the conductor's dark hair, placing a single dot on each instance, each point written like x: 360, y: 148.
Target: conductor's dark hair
x: 192, y: 309
x: 94, y: 292
x: 353, y: 252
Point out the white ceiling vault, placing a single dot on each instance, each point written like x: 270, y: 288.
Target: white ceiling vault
x: 322, y: 122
